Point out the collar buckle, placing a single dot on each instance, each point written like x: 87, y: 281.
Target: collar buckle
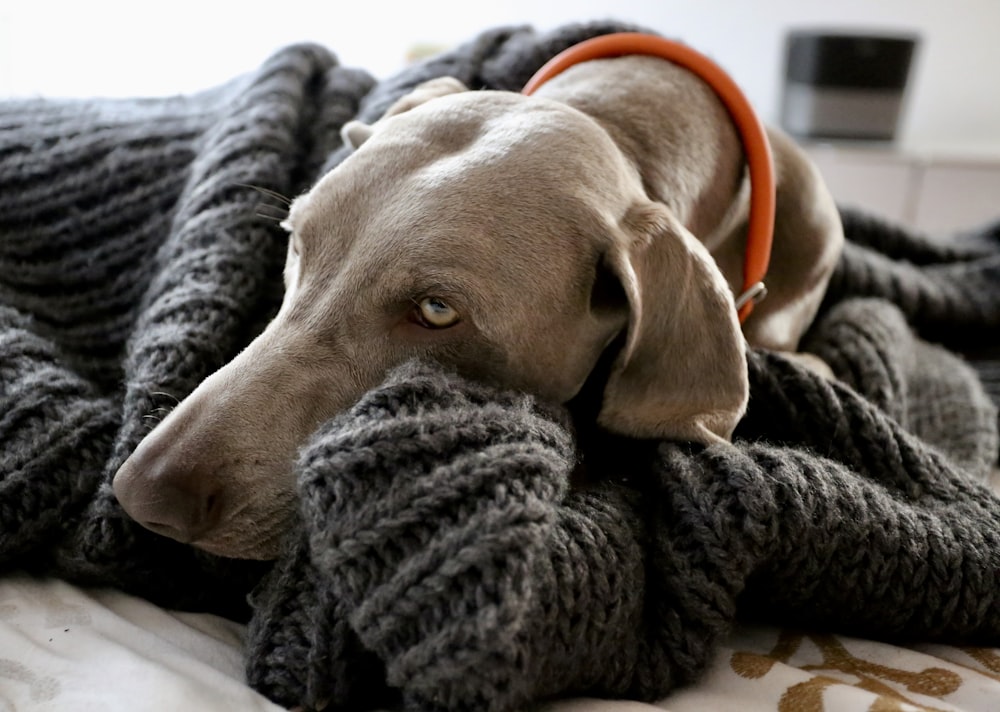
x: 752, y: 295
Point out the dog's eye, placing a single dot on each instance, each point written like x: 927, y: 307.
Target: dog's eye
x: 435, y: 313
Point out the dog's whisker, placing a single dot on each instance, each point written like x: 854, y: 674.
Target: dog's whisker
x: 273, y: 218
x: 163, y: 394
x: 272, y: 212
x: 275, y: 209
x: 267, y: 191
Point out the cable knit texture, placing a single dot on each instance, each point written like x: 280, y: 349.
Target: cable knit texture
x: 442, y: 560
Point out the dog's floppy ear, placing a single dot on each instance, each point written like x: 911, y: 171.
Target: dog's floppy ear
x: 356, y: 133
x: 682, y: 373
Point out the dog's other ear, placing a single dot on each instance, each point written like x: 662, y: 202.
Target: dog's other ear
x: 424, y: 92
x: 356, y: 133
x: 682, y: 373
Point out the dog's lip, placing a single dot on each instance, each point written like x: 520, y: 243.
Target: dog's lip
x: 168, y: 531
x: 219, y: 542
x: 267, y: 550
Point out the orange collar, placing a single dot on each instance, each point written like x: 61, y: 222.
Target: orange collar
x: 756, y: 147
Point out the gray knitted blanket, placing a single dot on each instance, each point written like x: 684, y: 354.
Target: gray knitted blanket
x: 442, y: 559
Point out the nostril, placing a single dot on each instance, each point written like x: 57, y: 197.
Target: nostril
x: 211, y: 509
x: 176, y: 512
x: 180, y: 514
x: 181, y: 503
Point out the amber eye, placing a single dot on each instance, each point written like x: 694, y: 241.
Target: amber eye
x: 435, y: 313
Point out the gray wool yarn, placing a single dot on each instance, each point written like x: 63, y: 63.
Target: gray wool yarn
x: 133, y: 263
x: 442, y: 559
x: 443, y: 523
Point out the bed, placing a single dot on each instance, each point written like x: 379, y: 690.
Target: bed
x: 72, y: 648
x: 843, y: 554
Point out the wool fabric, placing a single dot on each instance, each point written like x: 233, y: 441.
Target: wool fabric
x: 443, y: 559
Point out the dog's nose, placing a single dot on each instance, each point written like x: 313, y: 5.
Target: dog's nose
x: 176, y: 499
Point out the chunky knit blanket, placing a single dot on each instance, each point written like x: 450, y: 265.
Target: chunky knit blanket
x: 442, y: 559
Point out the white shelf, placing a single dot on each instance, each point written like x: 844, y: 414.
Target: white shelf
x: 939, y: 189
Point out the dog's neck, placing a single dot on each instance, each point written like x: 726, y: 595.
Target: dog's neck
x: 702, y: 209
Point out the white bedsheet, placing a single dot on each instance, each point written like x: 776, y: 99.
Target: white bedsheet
x: 66, y: 649
x: 63, y: 648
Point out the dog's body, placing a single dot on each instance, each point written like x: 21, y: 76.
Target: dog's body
x: 514, y: 239
x: 693, y: 163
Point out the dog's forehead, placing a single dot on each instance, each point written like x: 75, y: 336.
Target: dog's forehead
x: 495, y: 129
x: 466, y: 153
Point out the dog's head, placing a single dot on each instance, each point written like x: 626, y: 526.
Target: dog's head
x: 506, y: 237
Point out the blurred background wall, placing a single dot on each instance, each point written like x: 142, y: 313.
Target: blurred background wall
x: 124, y: 47
x: 942, y: 173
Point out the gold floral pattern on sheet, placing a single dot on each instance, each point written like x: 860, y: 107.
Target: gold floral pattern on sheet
x: 989, y: 658
x: 875, y: 677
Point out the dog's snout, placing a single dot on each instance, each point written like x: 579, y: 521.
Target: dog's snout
x: 170, y: 498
